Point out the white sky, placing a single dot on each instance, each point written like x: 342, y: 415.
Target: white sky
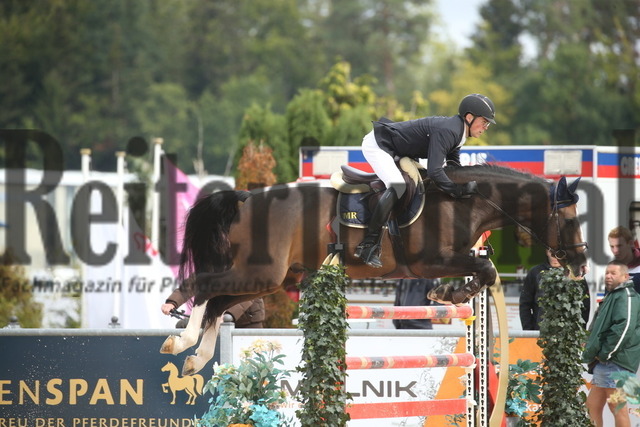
x: 459, y: 19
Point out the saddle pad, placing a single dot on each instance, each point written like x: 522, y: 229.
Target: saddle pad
x: 353, y: 210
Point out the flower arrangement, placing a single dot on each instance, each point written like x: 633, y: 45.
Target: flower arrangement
x: 523, y: 387
x: 248, y: 394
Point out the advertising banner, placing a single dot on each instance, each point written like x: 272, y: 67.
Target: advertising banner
x: 97, y: 381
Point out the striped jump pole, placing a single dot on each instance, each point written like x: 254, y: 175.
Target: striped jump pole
x: 420, y: 408
x: 400, y: 362
x: 409, y: 312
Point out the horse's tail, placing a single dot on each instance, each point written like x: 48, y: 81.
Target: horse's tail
x: 206, y: 247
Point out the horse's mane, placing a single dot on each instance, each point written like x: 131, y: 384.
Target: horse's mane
x: 490, y: 172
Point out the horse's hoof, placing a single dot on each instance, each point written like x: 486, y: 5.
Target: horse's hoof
x: 441, y: 294
x: 191, y: 366
x: 460, y: 298
x: 169, y: 345
x: 466, y: 292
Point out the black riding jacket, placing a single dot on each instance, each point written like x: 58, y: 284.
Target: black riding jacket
x: 434, y: 138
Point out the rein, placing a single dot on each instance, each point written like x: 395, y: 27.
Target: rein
x: 561, y: 252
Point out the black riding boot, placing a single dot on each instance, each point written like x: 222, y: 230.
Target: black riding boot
x: 369, y: 249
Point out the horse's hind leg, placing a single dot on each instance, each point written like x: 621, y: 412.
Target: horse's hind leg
x: 187, y: 338
x: 191, y: 400
x: 204, y: 353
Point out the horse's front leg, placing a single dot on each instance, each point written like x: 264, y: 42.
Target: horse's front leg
x: 204, y: 352
x: 187, y: 338
x: 482, y: 270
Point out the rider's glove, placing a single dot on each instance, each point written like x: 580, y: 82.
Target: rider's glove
x: 464, y: 191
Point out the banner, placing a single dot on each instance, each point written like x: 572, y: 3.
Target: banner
x: 132, y: 292
x: 91, y: 381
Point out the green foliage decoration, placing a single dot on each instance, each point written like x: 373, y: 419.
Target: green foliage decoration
x: 523, y: 387
x: 323, y: 323
x: 562, y: 336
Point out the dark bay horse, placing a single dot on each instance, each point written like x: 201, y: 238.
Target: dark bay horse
x: 238, y: 247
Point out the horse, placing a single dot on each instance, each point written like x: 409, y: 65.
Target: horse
x: 239, y: 246
x: 191, y: 384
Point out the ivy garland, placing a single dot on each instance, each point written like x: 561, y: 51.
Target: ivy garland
x: 562, y: 336
x: 323, y: 323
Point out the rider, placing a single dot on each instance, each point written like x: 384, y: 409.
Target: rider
x: 435, y: 138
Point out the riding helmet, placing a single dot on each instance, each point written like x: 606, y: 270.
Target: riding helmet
x: 478, y: 105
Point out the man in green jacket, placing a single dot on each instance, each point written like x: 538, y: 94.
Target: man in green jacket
x: 614, y: 342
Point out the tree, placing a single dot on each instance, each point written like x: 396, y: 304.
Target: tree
x: 16, y: 295
x: 241, y: 37
x: 261, y: 124
x: 255, y: 168
x: 380, y: 38
x: 474, y: 78
x: 308, y: 124
x: 581, y: 84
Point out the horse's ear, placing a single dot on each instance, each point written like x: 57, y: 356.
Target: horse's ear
x: 564, y: 195
x: 562, y: 184
x: 573, y: 186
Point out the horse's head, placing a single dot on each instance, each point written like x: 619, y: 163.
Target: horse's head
x: 570, y: 247
x: 168, y: 367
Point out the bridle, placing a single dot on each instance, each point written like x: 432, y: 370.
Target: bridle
x: 561, y: 251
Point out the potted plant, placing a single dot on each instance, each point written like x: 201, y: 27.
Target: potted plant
x: 249, y: 394
x: 523, y: 388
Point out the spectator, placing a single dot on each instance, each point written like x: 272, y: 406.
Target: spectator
x: 414, y: 292
x: 530, y: 313
x: 614, y: 342
x: 622, y: 247
x: 248, y: 314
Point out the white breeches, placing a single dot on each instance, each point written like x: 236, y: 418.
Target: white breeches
x: 382, y: 164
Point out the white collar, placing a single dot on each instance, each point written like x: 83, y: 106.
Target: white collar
x: 464, y: 135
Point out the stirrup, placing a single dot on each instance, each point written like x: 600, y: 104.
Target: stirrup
x: 369, y: 253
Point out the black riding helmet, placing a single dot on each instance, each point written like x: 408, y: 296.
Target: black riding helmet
x: 478, y: 105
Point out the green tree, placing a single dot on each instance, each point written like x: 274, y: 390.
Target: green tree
x: 308, y: 124
x: 581, y: 83
x: 261, y: 124
x: 473, y: 78
x: 166, y: 112
x: 579, y: 108
x: 380, y: 38
x: 237, y: 38
x: 16, y: 295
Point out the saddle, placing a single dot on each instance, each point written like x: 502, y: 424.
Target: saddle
x: 360, y: 191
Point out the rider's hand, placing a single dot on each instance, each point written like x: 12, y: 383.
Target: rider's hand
x: 166, y: 308
x: 464, y: 191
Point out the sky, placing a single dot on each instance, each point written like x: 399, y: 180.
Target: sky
x: 459, y: 19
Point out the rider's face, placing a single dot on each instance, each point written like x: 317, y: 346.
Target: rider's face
x: 479, y: 125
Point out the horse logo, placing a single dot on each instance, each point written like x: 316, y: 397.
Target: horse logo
x: 191, y: 384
